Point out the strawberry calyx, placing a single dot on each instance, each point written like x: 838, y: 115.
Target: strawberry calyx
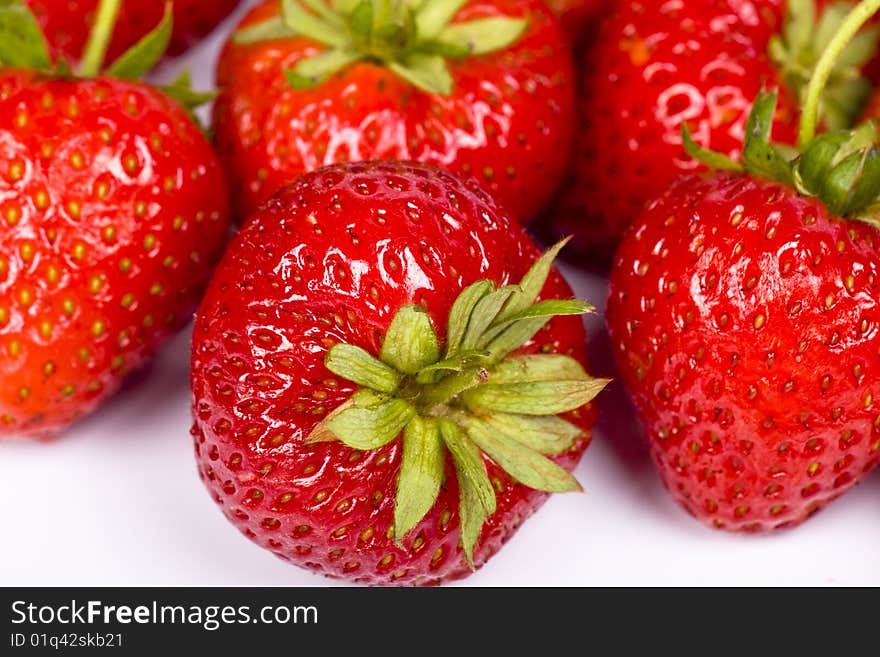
x: 410, y: 37
x: 23, y: 45
x: 839, y: 167
x: 470, y: 397
x: 806, y: 35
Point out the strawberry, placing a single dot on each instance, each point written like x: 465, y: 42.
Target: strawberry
x: 113, y: 208
x: 657, y: 64
x: 66, y: 23
x: 373, y: 393
x: 743, y: 313
x: 482, y: 88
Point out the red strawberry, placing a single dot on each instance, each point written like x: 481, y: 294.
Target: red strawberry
x: 66, y: 23
x: 484, y: 88
x: 361, y: 262
x: 744, y: 313
x: 113, y: 208
x: 655, y: 65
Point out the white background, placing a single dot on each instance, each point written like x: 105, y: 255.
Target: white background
x: 117, y: 502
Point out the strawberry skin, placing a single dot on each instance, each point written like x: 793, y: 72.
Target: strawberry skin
x: 580, y: 17
x: 113, y: 209
x: 330, y: 259
x: 744, y: 321
x: 508, y: 122
x: 653, y: 66
x: 66, y: 23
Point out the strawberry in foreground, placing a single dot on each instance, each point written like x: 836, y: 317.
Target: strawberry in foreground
x: 484, y: 89
x: 67, y: 23
x: 580, y: 18
x: 743, y: 312
x: 387, y: 376
x: 113, y: 208
x: 655, y: 65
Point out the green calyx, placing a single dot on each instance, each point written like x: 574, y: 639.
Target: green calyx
x: 413, y: 38
x: 472, y: 397
x: 840, y: 167
x: 23, y: 45
x: 805, y: 37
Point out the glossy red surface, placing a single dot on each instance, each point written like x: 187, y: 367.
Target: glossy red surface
x: 653, y: 66
x: 580, y: 17
x: 112, y: 210
x: 509, y: 122
x: 746, y: 324
x: 66, y: 23
x: 331, y: 259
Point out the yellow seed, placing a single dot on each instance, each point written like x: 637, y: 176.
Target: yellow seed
x: 109, y: 233
x: 178, y: 222
x: 12, y: 214
x: 102, y: 190
x: 168, y: 262
x: 95, y: 284
x: 74, y: 209
x: 41, y: 199
x: 77, y: 161
x: 106, y: 135
x: 130, y: 163
x: 14, y: 348
x: 48, y: 368
x: 98, y: 328
x: 26, y: 297
x: 21, y: 119
x: 27, y: 251
x: 759, y: 321
x: 140, y: 208
x: 84, y: 354
x: 170, y: 184
x: 16, y: 171
x: 156, y: 289
x: 24, y: 392
x: 46, y: 150
x: 149, y: 242
x: 67, y: 390
x: 46, y: 329
x: 4, y: 315
x: 79, y: 251
x: 148, y: 321
x: 125, y: 265
x: 127, y: 300
x: 68, y: 306
x: 52, y: 274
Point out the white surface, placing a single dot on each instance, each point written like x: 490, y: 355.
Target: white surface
x: 117, y: 502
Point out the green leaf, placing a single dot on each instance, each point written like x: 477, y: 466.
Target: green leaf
x: 312, y: 71
x: 434, y: 15
x: 523, y: 464
x: 457, y: 363
x: 549, y: 435
x: 858, y: 171
x: 800, y: 23
x: 22, y: 44
x: 484, y: 313
x: 461, y: 312
x: 537, y: 367
x: 422, y: 469
x: 711, y: 159
x: 543, y: 309
x: 866, y: 185
x: 360, y: 20
x: 410, y: 343
x: 760, y: 157
x: 140, y: 59
x: 476, y: 495
x: 484, y: 35
x: 533, y: 282
x: 426, y: 72
x: 181, y: 90
x: 813, y: 166
x: 533, y: 398
x: 371, y: 428
x: 273, y: 28
x: 322, y: 9
x: 312, y: 26
x: 515, y: 336
x: 356, y: 365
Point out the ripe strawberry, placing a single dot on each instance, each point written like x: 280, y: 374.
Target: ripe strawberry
x: 367, y: 261
x: 113, y: 208
x: 743, y: 313
x: 481, y: 88
x: 655, y: 65
x: 66, y: 23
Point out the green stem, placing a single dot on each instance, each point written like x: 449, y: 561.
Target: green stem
x: 848, y: 29
x: 99, y: 38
